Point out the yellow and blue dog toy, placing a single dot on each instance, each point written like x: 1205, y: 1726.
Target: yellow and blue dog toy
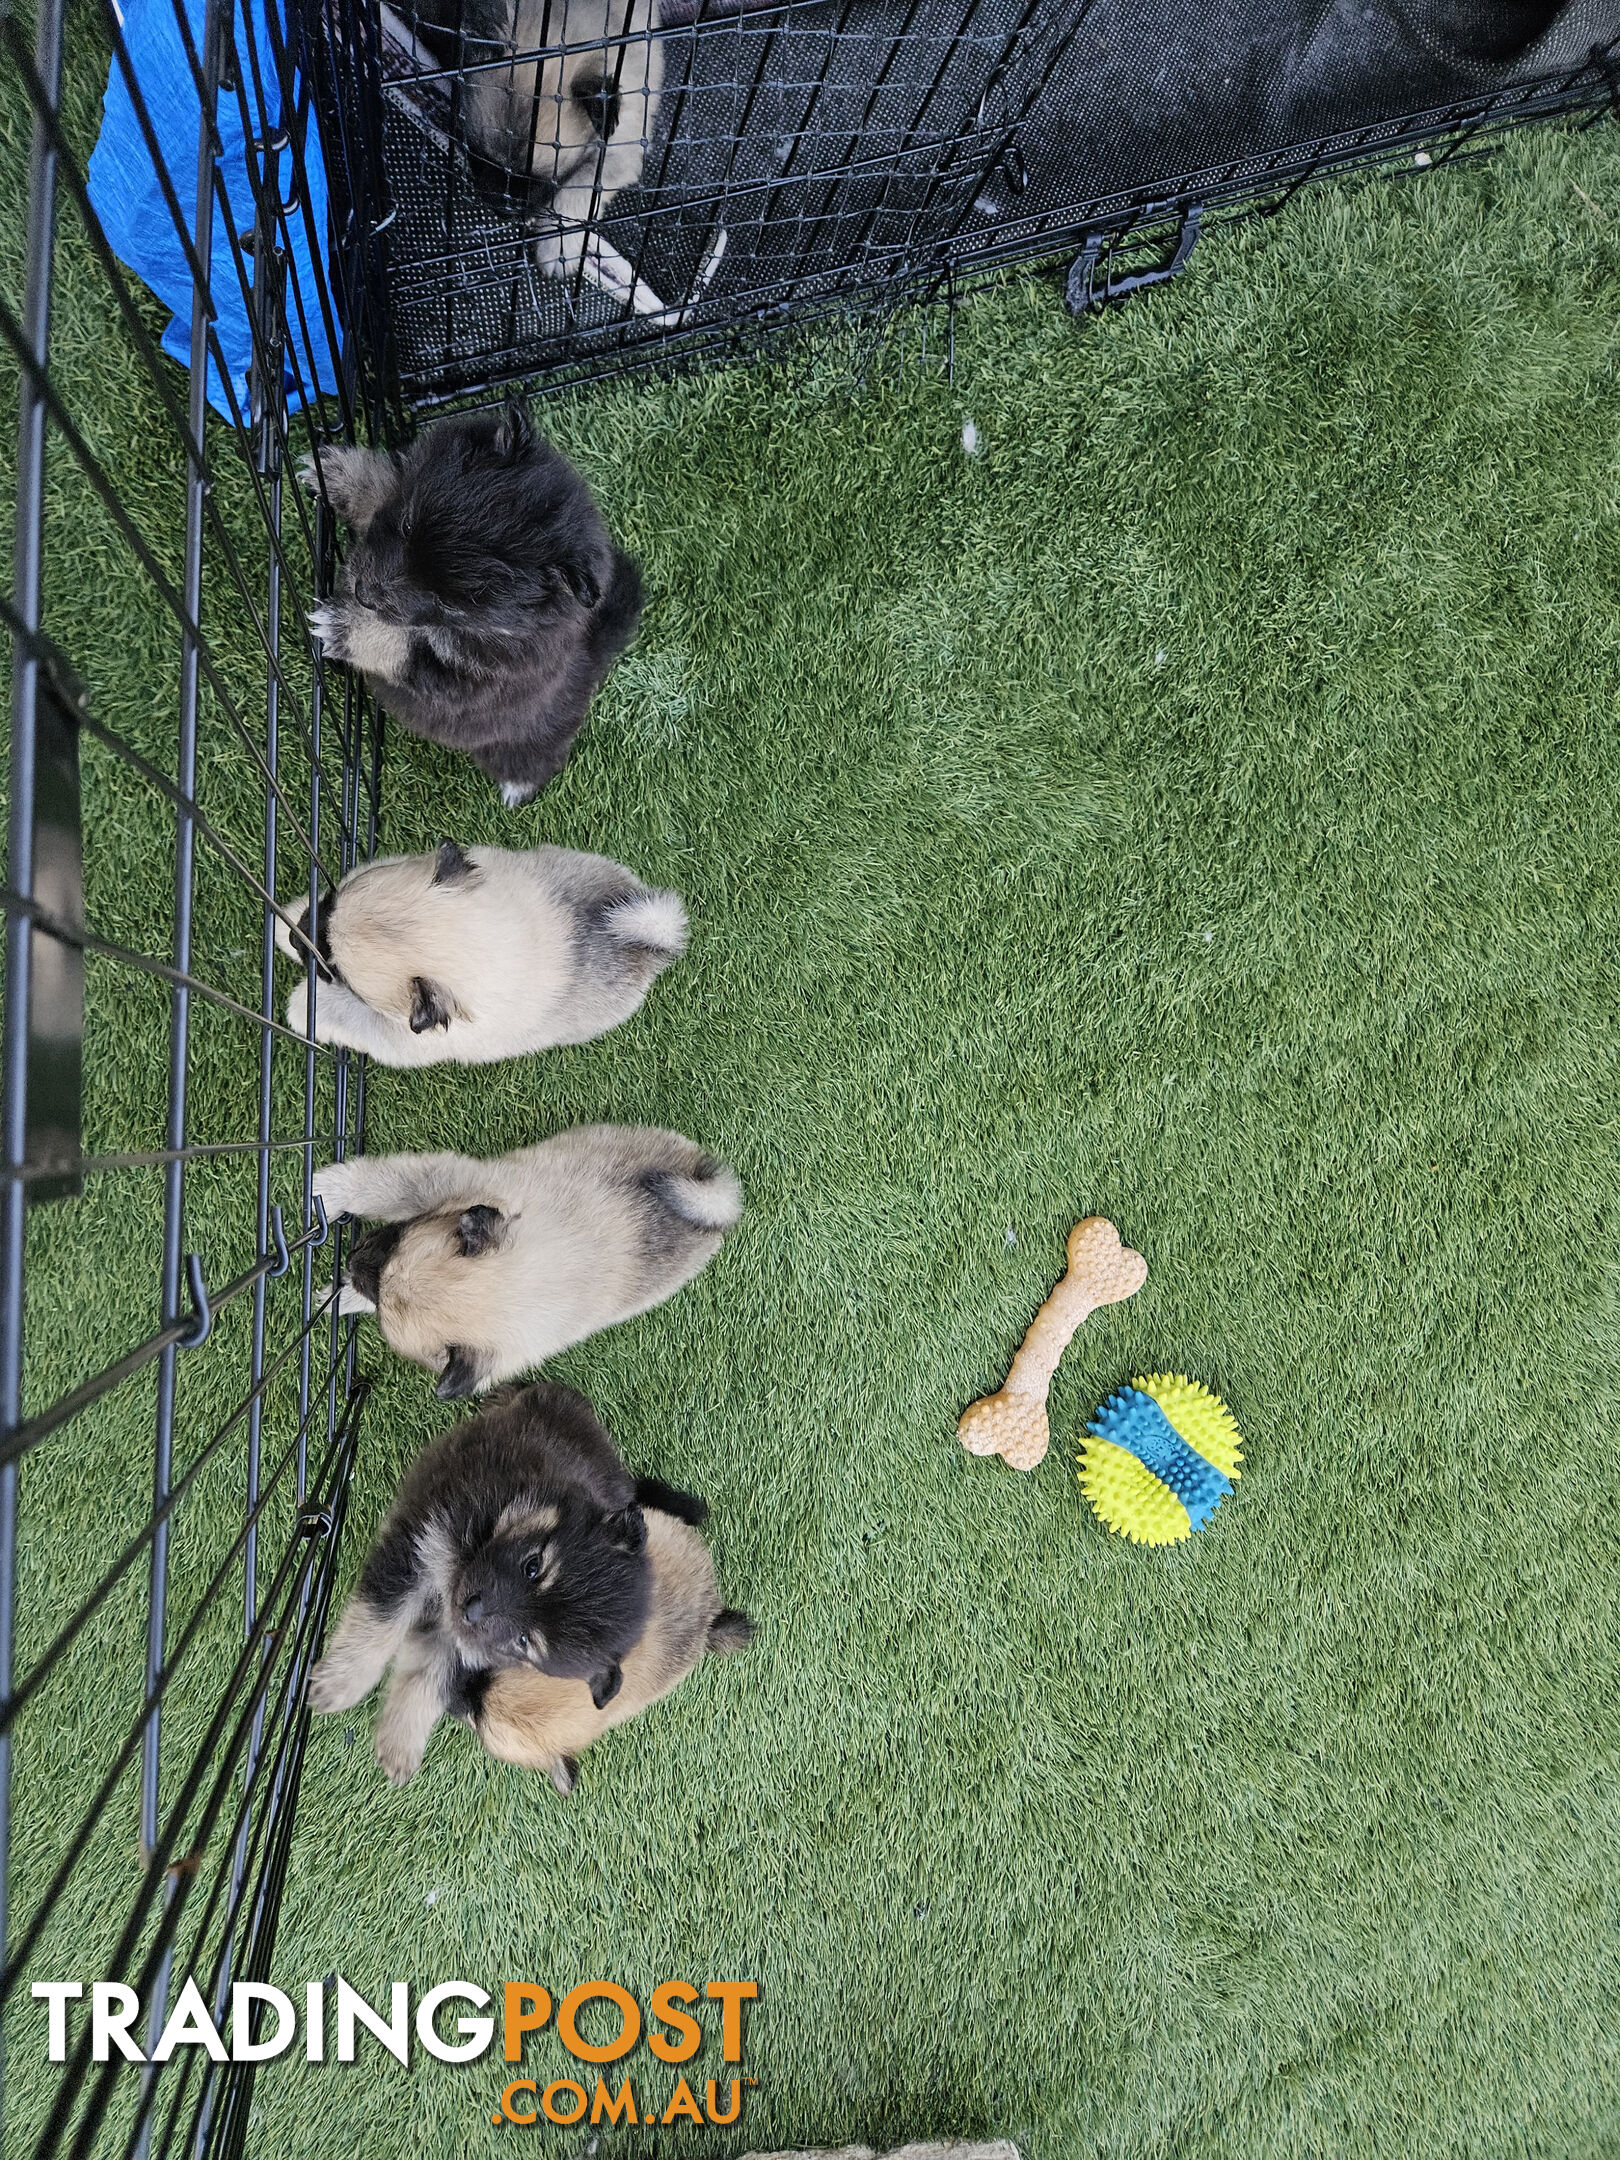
x: 1163, y: 1456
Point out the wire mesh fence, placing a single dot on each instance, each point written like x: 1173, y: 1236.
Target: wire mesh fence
x: 569, y: 188
x: 180, y: 1400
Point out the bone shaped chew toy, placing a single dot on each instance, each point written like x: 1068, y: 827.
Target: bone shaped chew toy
x: 1012, y: 1423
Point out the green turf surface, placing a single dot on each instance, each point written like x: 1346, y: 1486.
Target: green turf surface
x: 1200, y: 808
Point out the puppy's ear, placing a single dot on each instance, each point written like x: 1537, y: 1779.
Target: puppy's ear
x: 627, y: 1530
x: 370, y: 1256
x: 450, y: 865
x: 429, y: 1008
x: 516, y: 431
x: 317, y: 954
x: 581, y: 580
x: 479, y: 1229
x: 605, y: 1685
x: 460, y: 1377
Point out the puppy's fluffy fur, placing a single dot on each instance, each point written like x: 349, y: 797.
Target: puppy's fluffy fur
x: 517, y: 1538
x: 484, y: 1269
x: 481, y: 598
x: 542, y: 1723
x: 567, y: 122
x: 480, y: 953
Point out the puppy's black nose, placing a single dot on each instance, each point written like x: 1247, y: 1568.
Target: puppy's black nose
x: 474, y: 1610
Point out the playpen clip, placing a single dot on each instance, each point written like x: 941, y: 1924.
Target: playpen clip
x: 283, y: 1260
x: 326, y: 1228
x: 202, y: 1323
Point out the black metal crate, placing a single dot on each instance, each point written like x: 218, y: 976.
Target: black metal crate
x: 849, y: 154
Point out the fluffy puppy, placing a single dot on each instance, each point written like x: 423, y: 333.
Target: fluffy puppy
x: 565, y: 123
x: 474, y: 954
x: 542, y: 1723
x: 483, y: 1269
x: 482, y: 598
x: 516, y: 1538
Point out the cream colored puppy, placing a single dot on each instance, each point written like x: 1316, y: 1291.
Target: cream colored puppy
x: 484, y: 1269
x: 573, y: 110
x: 474, y: 954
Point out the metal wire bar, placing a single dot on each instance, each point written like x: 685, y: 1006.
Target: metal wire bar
x: 144, y: 963
x: 246, y: 1769
x: 159, y: 1847
x: 152, y: 1158
x: 156, y: 373
x: 17, y: 1701
x: 27, y: 583
x: 21, y: 1439
x: 95, y: 473
x: 221, y: 1745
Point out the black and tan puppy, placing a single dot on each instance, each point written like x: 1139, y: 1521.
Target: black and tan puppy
x: 482, y: 598
x: 543, y: 1723
x: 515, y: 1539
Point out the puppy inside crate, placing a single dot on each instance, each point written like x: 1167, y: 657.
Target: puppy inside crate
x: 556, y: 103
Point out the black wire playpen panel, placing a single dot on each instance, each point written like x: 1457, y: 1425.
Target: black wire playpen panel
x: 179, y: 761
x: 568, y: 188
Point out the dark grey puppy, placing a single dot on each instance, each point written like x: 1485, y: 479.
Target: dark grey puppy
x: 516, y: 1538
x: 482, y: 598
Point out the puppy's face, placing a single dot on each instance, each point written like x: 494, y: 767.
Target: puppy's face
x: 581, y: 104
x: 562, y: 1588
x: 433, y: 1284
x: 488, y: 531
x: 386, y: 928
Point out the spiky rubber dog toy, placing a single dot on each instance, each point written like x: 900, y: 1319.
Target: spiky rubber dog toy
x: 1163, y: 1456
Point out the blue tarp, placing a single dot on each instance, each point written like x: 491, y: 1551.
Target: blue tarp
x: 124, y: 188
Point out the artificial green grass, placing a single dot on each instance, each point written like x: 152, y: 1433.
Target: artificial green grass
x: 1199, y: 808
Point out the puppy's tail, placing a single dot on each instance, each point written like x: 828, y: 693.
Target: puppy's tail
x: 617, y: 613
x: 655, y: 920
x: 708, y: 1197
x: 729, y: 1632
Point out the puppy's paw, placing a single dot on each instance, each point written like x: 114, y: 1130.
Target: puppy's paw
x: 298, y: 1008
x: 398, y: 1754
x: 331, y: 1688
x: 284, y: 936
x: 564, y: 1773
x: 309, y: 475
x: 517, y: 794
x: 338, y: 1184
x: 559, y: 250
x: 329, y: 626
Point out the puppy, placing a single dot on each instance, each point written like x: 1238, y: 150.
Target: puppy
x: 517, y: 1538
x: 476, y: 954
x: 541, y: 1723
x: 567, y: 120
x: 483, y: 1269
x: 482, y: 598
